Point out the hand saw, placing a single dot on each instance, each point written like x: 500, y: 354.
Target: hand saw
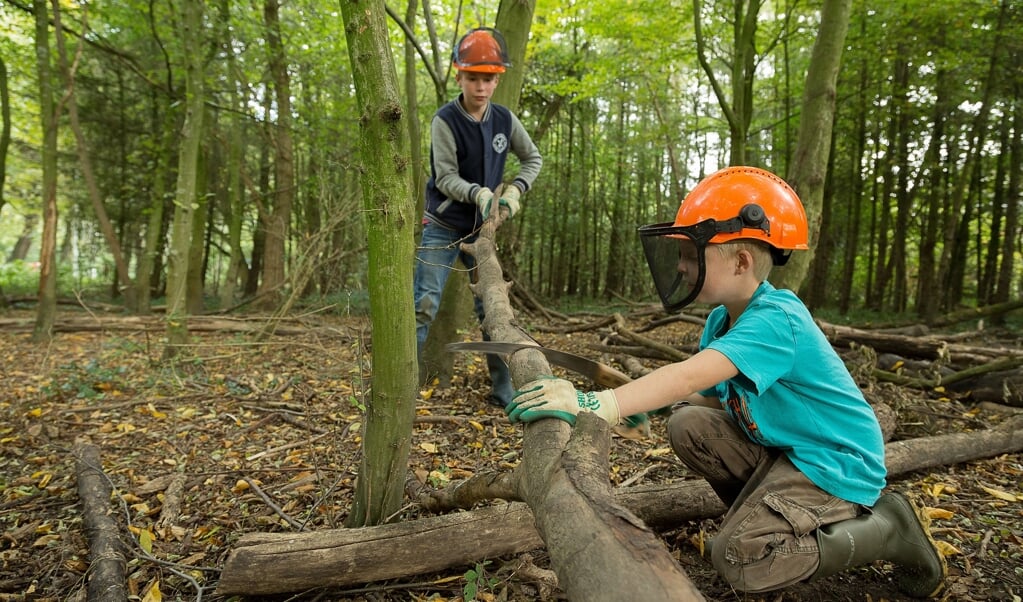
x: 602, y: 374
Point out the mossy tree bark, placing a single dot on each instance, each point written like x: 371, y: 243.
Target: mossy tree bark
x: 390, y: 220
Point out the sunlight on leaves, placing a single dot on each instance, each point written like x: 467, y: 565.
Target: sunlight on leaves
x: 947, y: 549
x: 428, y: 447
x: 153, y: 594
x: 656, y: 453
x: 44, y: 478
x: 47, y: 540
x: 938, y: 513
x: 1002, y: 495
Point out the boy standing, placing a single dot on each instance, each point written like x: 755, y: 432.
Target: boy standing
x: 769, y: 414
x: 469, y: 142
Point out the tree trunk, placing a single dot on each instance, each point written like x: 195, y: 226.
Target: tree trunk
x: 390, y: 218
x: 24, y: 242
x: 234, y: 208
x: 275, y: 252
x: 47, y: 309
x: 739, y: 111
x: 194, y: 293
x: 514, y: 20
x: 184, y: 195
x: 147, y: 274
x: 5, y: 127
x: 810, y: 161
x: 1007, y: 269
x: 85, y: 162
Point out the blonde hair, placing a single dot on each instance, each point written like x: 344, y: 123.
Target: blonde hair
x: 763, y: 261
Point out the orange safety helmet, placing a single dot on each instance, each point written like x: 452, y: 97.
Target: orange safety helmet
x: 768, y: 208
x: 481, y: 50
x: 735, y: 203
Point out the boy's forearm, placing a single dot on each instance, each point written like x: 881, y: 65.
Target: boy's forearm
x: 676, y: 382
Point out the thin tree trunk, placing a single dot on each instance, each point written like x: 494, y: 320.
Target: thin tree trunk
x: 271, y: 287
x: 927, y: 303
x: 514, y: 20
x: 147, y: 275
x: 85, y: 162
x: 5, y: 127
x: 813, y: 147
x: 194, y: 294
x: 1003, y: 290
x: 184, y: 196
x: 389, y: 217
x: 977, y: 137
x: 48, y: 109
x: 738, y: 112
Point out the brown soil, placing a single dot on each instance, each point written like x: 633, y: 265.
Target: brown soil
x: 285, y: 416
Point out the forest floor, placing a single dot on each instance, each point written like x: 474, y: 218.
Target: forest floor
x: 284, y: 416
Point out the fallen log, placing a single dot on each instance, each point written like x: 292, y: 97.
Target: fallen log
x: 928, y: 347
x: 157, y: 324
x: 107, y: 566
x: 272, y: 563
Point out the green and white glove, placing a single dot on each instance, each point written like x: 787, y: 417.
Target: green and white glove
x: 510, y: 199
x: 557, y: 398
x: 484, y: 199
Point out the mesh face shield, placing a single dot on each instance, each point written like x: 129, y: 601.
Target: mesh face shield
x: 676, y: 255
x: 677, y: 260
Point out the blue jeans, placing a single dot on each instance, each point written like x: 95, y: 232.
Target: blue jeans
x: 438, y: 250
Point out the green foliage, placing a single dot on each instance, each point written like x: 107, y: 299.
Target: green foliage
x: 22, y: 278
x: 477, y: 581
x: 617, y: 102
x: 356, y: 403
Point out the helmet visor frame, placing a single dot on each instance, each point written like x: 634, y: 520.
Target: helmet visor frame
x: 676, y: 256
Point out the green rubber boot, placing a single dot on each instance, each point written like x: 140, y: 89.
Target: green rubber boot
x: 895, y: 530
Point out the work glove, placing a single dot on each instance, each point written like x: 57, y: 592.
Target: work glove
x: 484, y: 199
x: 510, y: 199
x: 550, y: 397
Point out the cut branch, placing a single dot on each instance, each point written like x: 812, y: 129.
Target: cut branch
x: 107, y: 555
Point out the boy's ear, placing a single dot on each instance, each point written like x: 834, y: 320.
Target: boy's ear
x: 743, y: 261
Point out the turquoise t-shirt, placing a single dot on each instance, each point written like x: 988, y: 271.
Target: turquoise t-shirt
x: 794, y: 393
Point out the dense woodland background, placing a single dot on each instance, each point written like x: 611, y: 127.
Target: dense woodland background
x: 181, y: 157
x: 920, y: 213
